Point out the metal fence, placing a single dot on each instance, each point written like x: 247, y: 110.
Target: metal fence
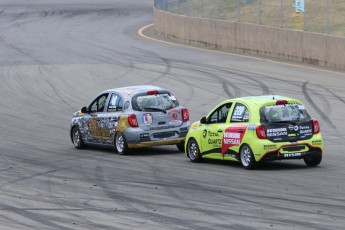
x: 320, y: 16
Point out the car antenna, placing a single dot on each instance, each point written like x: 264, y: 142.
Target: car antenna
x: 273, y: 96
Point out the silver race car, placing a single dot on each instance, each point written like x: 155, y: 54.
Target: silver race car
x: 131, y: 117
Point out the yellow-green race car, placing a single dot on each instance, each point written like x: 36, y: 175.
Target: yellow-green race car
x: 255, y: 129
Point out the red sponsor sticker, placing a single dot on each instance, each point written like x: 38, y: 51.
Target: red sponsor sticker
x: 233, y: 137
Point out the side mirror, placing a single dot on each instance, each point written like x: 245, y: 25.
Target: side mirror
x: 203, y: 120
x: 84, y: 109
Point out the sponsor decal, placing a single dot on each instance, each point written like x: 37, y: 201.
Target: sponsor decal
x: 172, y: 111
x: 232, y: 137
x: 301, y: 107
x: 161, y: 115
x: 147, y: 119
x: 305, y: 130
x: 215, y: 142
x: 317, y: 142
x: 270, y: 147
x: 213, y: 138
x: 194, y: 126
x: 238, y: 113
x: 251, y: 127
x: 174, y: 115
x: 204, y: 133
x: 288, y: 155
x: 144, y: 135
x: 276, y: 132
x: 175, y: 122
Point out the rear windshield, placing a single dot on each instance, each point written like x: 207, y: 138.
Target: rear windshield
x: 284, y: 113
x: 162, y: 101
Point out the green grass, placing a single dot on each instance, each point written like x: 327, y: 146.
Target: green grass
x: 271, y: 13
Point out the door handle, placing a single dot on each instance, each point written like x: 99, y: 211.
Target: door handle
x: 240, y: 130
x: 220, y: 131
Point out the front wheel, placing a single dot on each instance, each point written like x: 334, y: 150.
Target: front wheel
x: 313, y: 161
x: 193, y: 151
x: 120, y: 143
x: 247, y: 157
x: 77, y: 138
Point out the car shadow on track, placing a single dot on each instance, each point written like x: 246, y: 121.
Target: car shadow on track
x: 149, y: 151
x: 264, y: 166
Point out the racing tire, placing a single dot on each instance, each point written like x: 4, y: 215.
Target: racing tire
x: 193, y: 151
x: 247, y: 157
x: 77, y: 139
x: 312, y: 161
x: 180, y: 146
x: 121, y: 146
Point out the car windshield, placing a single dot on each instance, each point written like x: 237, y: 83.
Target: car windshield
x: 155, y: 102
x: 284, y: 113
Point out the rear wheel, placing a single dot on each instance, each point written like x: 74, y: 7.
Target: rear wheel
x: 120, y: 143
x: 77, y: 138
x: 313, y: 160
x: 193, y: 151
x: 180, y: 146
x: 247, y: 157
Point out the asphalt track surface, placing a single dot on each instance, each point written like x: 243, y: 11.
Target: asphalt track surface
x: 57, y: 55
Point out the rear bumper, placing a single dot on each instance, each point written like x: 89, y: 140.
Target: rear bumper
x: 137, y: 138
x: 276, y: 155
x: 156, y: 143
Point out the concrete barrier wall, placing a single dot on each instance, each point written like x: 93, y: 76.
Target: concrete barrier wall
x: 292, y: 45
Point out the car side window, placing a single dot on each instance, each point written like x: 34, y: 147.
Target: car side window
x: 99, y: 103
x: 220, y: 114
x: 240, y: 113
x: 115, y: 103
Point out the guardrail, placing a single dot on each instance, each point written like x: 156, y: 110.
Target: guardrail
x: 320, y: 16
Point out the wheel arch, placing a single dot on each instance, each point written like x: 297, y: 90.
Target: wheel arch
x: 187, y: 141
x: 71, y: 131
x: 257, y: 158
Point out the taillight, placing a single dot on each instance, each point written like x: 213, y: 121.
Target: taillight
x: 316, y: 127
x: 132, y: 120
x: 152, y: 92
x: 281, y: 102
x: 185, y: 115
x: 261, y: 132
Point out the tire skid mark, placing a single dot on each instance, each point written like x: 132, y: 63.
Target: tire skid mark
x: 39, y: 218
x: 127, y: 200
x: 332, y: 93
x: 55, y: 90
x: 153, y: 55
x: 2, y: 185
x: 315, y: 107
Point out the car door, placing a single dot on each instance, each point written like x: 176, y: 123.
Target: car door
x: 235, y: 130
x: 217, y: 122
x: 96, y: 122
x: 110, y: 118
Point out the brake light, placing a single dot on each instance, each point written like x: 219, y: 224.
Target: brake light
x: 316, y: 127
x: 152, y: 92
x: 132, y: 120
x: 185, y: 115
x: 261, y: 132
x: 281, y: 102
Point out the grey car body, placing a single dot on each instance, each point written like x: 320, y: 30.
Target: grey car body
x: 131, y: 117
